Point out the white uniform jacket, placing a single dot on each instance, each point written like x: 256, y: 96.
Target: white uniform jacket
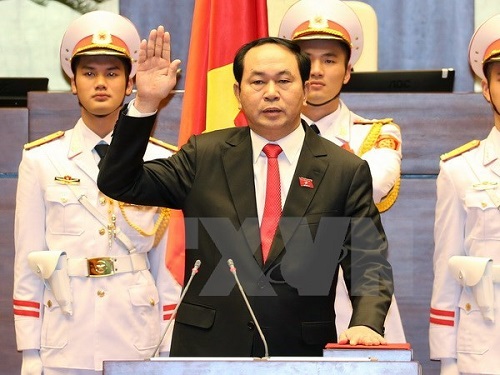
x: 466, y: 223
x: 348, y: 130
x: 114, y: 317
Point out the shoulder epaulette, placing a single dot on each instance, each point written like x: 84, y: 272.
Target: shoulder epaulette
x: 43, y: 140
x: 382, y: 121
x: 460, y: 150
x: 166, y: 145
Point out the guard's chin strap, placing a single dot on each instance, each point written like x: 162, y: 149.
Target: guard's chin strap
x: 493, y: 105
x: 101, y: 116
x: 328, y: 101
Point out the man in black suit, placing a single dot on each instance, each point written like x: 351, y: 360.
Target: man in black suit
x: 219, y: 179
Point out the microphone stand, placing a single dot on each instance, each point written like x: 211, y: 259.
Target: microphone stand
x: 232, y: 268
x: 194, y: 271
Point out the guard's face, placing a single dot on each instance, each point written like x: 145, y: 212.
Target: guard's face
x: 271, y: 93
x: 101, y: 84
x: 329, y: 70
x: 491, y: 90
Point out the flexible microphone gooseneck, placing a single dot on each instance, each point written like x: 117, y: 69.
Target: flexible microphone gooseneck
x: 194, y: 271
x: 232, y: 268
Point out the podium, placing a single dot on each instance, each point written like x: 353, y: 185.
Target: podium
x: 335, y: 361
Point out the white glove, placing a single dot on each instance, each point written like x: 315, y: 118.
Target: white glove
x: 32, y: 363
x: 449, y: 366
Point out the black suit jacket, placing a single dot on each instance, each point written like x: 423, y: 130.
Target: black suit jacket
x: 332, y: 222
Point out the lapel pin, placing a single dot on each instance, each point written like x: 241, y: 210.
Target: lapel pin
x: 306, y: 182
x: 67, y: 180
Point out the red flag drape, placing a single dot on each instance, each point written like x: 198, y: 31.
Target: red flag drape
x: 219, y: 28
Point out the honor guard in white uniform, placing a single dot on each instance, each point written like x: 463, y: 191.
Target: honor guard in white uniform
x: 465, y: 307
x: 90, y: 281
x: 330, y: 33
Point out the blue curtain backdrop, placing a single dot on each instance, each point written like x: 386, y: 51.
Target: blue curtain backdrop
x: 175, y: 15
x: 426, y: 34
x: 423, y: 34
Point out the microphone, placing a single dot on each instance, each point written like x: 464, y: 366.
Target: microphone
x: 194, y: 271
x: 232, y: 268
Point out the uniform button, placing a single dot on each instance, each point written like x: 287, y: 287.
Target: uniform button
x: 467, y: 307
x: 251, y: 325
x: 101, y: 293
x: 49, y: 303
x: 151, y: 302
x: 64, y: 200
x: 102, y: 201
x: 483, y: 204
x: 102, y: 231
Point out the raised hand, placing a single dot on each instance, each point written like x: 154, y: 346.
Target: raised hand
x: 156, y: 74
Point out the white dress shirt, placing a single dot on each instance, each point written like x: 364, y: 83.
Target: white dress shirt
x: 287, y: 162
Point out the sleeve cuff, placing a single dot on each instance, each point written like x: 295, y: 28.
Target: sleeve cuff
x: 133, y: 112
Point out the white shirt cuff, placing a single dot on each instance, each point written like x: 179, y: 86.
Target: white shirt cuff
x: 134, y: 112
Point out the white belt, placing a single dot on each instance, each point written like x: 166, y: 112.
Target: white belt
x: 107, y: 266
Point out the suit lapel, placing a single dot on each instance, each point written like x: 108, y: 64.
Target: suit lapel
x: 238, y: 167
x: 312, y: 166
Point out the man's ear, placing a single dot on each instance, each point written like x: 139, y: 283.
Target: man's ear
x: 486, y: 90
x: 347, y: 75
x: 130, y: 86
x: 73, y: 86
x: 306, y: 92
x: 236, y: 90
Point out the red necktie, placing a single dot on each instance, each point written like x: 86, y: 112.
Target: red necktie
x: 272, y: 207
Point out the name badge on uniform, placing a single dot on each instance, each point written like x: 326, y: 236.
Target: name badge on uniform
x: 67, y: 180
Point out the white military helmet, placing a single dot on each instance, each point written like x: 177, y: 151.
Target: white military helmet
x: 484, y: 46
x: 100, y: 33
x: 323, y: 19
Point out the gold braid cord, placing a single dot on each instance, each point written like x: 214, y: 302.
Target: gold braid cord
x: 159, y: 228
x: 367, y: 145
x: 164, y: 219
x: 390, y: 198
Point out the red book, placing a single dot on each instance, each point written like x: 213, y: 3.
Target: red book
x: 401, y: 346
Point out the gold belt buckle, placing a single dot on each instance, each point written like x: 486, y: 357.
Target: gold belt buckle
x: 98, y: 267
